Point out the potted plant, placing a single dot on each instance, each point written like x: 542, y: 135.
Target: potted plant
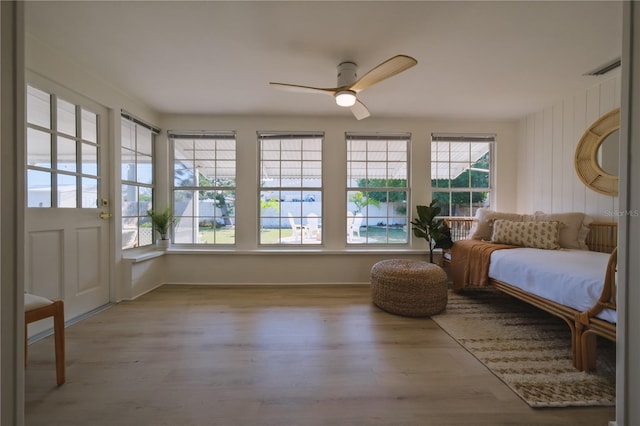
x: 162, y: 222
x: 435, y: 231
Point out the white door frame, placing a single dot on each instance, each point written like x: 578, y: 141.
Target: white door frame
x: 84, y: 284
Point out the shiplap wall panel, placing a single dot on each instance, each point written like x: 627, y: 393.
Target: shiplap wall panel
x: 579, y: 126
x: 530, y: 197
x: 568, y: 152
x: 539, y: 160
x: 593, y: 113
x: 557, y: 158
x: 546, y: 162
x: 609, y: 99
x: 547, y: 141
x: 523, y: 165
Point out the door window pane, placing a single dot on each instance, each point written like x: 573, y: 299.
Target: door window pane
x: 67, y: 192
x: 38, y: 107
x: 38, y: 148
x: 38, y: 188
x: 89, y: 126
x: 89, y: 193
x: 66, y: 117
x: 61, y: 162
x: 89, y: 159
x: 66, y: 154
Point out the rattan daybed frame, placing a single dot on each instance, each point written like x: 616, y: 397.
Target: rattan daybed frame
x: 584, y: 326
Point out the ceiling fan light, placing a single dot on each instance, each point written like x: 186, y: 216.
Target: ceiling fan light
x: 345, y: 98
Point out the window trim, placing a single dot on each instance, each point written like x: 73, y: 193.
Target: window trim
x: 405, y: 137
x: 174, y: 135
x: 152, y: 186
x: 291, y: 135
x: 489, y: 138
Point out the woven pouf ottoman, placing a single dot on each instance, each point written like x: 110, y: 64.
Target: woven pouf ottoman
x: 409, y: 287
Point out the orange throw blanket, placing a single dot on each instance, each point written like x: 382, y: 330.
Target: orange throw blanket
x: 470, y: 262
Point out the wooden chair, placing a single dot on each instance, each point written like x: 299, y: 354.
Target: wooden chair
x: 37, y: 308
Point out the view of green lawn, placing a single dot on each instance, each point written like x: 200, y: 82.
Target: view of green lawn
x: 272, y: 235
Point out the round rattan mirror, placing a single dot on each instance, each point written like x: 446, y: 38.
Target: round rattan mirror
x: 588, y: 153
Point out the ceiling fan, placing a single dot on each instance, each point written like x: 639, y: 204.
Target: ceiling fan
x: 349, y: 85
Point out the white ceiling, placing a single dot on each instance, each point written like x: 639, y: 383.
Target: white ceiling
x: 476, y: 60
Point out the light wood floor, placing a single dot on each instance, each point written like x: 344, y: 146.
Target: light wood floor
x: 297, y: 355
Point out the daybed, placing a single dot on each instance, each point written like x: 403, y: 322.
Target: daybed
x: 561, y: 263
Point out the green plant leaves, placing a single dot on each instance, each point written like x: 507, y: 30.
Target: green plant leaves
x: 435, y: 231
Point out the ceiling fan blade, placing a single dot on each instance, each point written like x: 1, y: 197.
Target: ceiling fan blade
x: 303, y: 89
x: 359, y: 110
x: 387, y: 69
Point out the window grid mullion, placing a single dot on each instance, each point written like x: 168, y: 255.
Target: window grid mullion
x: 54, y: 151
x: 473, y: 155
x: 376, y: 169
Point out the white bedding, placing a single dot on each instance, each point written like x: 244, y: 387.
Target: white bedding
x: 572, y: 278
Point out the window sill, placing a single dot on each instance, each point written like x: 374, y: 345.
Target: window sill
x: 294, y: 252
x: 141, y: 257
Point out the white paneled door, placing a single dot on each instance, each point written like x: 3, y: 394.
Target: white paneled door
x: 67, y: 242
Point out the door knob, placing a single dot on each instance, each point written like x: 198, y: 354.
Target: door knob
x: 105, y: 215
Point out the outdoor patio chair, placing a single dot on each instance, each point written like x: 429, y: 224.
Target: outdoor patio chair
x: 299, y: 231
x: 312, y: 225
x: 355, y: 227
x: 349, y: 225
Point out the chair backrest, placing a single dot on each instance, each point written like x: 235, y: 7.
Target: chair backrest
x: 349, y: 220
x: 312, y: 222
x: 357, y: 221
x: 292, y: 222
x: 602, y: 236
x: 460, y: 227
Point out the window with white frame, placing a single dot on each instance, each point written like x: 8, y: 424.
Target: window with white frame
x: 290, y: 189
x: 377, y: 188
x: 461, y: 172
x: 204, y: 187
x: 136, y: 174
x: 63, y: 149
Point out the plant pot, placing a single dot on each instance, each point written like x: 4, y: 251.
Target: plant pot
x: 162, y: 244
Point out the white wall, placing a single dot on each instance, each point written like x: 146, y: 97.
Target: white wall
x: 334, y: 262
x: 63, y: 71
x: 547, y: 140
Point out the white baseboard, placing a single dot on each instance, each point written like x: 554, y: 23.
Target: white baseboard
x: 49, y: 331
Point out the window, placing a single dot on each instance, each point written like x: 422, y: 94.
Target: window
x: 62, y: 152
x: 137, y: 146
x: 461, y: 172
x: 290, y: 188
x: 377, y: 188
x: 204, y: 187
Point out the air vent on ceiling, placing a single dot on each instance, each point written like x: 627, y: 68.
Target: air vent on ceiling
x: 605, y: 68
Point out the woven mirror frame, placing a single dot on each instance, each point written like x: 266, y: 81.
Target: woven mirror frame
x: 587, y: 166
